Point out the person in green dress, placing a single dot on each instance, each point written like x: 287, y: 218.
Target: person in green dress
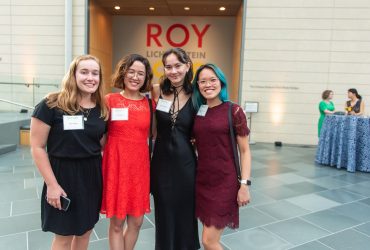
x: 326, y: 106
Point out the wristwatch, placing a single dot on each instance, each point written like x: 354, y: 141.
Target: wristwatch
x: 246, y: 182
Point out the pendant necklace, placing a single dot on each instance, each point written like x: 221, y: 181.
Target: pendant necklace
x: 86, y: 113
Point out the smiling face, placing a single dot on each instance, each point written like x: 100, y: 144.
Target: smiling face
x: 209, y: 84
x: 88, y: 76
x: 175, y: 70
x: 135, y: 77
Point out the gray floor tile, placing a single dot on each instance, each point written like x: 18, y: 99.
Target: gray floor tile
x: 313, y: 172
x: 350, y: 178
x: 254, y: 239
x: 250, y: 217
x: 26, y: 206
x: 265, y: 182
x: 290, y: 178
x: 33, y: 182
x: 5, y: 209
x: 24, y: 169
x: 282, y: 210
x: 99, y: 244
x: 360, y: 188
x: 329, y: 182
x: 146, y: 239
x: 364, y: 228
x: 280, y: 193
x: 331, y: 220
x: 13, y: 195
x: 6, y: 177
x: 101, y: 228
x: 39, y: 240
x: 313, y: 202
x: 305, y: 187
x: 271, y: 170
x: 365, y: 201
x: 14, y: 242
x: 5, y: 168
x: 296, y: 231
x: 313, y: 245
x: 21, y: 223
x: 348, y: 239
x: 355, y: 210
x: 257, y: 198
x: 340, y: 195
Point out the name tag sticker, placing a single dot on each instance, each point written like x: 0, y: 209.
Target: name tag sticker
x: 164, y: 105
x: 73, y: 122
x: 119, y: 114
x: 202, y: 110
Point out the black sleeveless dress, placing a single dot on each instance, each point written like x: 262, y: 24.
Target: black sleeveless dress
x: 172, y: 178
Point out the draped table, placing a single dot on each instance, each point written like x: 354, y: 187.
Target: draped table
x: 345, y: 143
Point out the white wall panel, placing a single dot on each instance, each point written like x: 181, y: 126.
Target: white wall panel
x: 296, y: 49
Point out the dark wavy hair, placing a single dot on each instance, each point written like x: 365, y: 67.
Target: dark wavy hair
x: 326, y: 94
x: 181, y: 55
x: 123, y: 66
x: 354, y: 91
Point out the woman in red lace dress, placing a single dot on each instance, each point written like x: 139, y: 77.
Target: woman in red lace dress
x: 126, y: 154
x: 218, y: 193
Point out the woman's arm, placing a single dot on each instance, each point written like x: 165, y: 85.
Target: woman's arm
x: 245, y: 165
x: 39, y: 136
x: 362, y: 108
x: 155, y: 92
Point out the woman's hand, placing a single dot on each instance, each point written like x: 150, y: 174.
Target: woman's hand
x: 243, y: 195
x: 53, y: 193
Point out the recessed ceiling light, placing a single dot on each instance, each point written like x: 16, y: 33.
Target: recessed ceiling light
x: 151, y: 8
x: 186, y: 8
x: 117, y: 7
x: 222, y: 8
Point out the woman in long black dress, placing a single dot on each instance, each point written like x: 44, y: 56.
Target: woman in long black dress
x: 173, y: 165
x: 67, y: 131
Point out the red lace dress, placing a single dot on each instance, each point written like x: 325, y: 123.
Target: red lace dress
x: 126, y: 160
x: 216, y: 185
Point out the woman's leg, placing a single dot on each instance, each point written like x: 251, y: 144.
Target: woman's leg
x: 116, y: 233
x: 81, y: 242
x: 61, y: 242
x: 132, y: 231
x: 211, y: 238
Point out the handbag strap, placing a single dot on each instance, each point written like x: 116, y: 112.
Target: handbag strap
x: 150, y: 128
x: 233, y: 143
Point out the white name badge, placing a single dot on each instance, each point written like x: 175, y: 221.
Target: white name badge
x: 119, y: 114
x: 73, y: 122
x: 202, y: 110
x: 164, y: 105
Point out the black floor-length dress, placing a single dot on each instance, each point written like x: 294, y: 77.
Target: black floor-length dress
x: 172, y: 180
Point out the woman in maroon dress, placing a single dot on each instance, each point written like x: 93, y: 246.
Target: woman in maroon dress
x: 218, y: 192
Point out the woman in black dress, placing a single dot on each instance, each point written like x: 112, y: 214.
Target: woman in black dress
x: 173, y: 165
x: 67, y: 131
x: 355, y: 105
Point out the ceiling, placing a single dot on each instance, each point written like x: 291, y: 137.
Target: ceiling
x: 172, y: 7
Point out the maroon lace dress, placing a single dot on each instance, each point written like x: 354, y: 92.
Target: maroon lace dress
x: 216, y: 181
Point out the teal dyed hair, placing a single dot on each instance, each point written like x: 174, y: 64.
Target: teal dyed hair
x: 197, y: 97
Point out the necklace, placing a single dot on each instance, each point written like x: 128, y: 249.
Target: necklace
x: 173, y: 111
x: 86, y: 113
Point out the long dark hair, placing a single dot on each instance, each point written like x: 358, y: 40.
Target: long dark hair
x: 354, y: 91
x: 181, y: 55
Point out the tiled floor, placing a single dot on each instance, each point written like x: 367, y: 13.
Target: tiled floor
x: 295, y: 205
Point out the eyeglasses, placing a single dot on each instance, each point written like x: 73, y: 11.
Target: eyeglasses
x: 132, y: 73
x: 212, y: 81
